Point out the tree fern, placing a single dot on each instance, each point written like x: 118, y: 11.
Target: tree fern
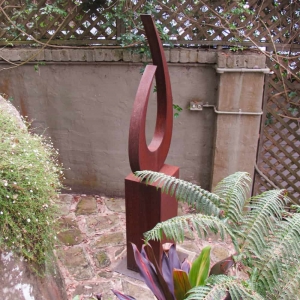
x: 218, y: 286
x: 279, y: 256
x: 175, y: 228
x: 261, y: 220
x: 204, y: 201
x: 266, y: 243
x: 234, y: 190
x: 288, y: 287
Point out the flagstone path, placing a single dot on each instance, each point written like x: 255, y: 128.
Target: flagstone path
x: 92, y: 245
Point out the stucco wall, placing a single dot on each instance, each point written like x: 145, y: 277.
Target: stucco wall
x: 85, y: 107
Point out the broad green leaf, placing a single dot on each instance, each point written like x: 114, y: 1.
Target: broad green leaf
x: 181, y: 284
x: 200, y: 268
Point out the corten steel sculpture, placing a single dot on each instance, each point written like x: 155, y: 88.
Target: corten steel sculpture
x: 145, y: 205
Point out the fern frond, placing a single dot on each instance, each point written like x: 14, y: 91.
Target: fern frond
x: 176, y: 227
x: 234, y: 189
x: 289, y: 286
x: 261, y: 220
x: 202, y: 200
x: 281, y: 254
x: 218, y: 286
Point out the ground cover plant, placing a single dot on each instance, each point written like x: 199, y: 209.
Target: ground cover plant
x: 29, y: 179
x: 265, y: 235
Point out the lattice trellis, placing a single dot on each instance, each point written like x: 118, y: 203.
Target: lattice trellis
x: 194, y: 21
x: 279, y: 155
x: 185, y: 22
x: 68, y: 24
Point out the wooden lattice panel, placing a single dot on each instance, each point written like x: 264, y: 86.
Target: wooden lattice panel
x: 68, y: 22
x: 194, y: 22
x: 279, y: 153
x: 185, y: 22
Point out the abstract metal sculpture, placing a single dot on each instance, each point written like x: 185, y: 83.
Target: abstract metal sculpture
x: 142, y: 157
x: 145, y: 205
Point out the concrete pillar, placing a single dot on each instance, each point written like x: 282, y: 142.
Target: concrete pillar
x: 240, y: 90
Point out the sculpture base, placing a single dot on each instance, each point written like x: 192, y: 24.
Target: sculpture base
x: 145, y: 207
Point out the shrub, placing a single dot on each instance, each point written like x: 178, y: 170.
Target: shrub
x: 29, y: 179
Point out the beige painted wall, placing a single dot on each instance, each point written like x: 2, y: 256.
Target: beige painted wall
x: 86, y: 107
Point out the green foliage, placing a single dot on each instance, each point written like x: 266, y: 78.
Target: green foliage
x: 200, y: 199
x: 47, y: 11
x: 176, y: 228
x: 265, y: 236
x: 218, y: 287
x: 234, y: 191
x: 36, y: 66
x: 181, y: 284
x: 269, y: 119
x: 29, y: 179
x: 200, y: 268
x: 173, y: 280
x: 177, y: 109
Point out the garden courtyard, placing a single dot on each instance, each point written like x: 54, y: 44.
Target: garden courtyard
x: 91, y: 256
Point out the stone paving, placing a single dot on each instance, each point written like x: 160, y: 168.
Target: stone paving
x: 92, y: 244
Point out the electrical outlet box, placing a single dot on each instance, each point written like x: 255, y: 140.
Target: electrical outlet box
x: 196, y: 105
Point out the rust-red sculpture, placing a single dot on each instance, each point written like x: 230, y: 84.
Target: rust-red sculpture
x: 142, y: 157
x: 145, y: 205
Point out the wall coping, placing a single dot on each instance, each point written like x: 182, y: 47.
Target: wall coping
x: 223, y: 59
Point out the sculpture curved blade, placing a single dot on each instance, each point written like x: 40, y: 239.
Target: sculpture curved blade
x: 152, y: 157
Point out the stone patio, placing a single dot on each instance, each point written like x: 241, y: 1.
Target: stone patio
x: 92, y: 248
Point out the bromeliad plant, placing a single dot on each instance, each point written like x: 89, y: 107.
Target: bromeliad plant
x: 174, y: 279
x: 266, y: 237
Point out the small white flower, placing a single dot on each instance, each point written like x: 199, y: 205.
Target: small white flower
x: 28, y: 220
x: 31, y: 191
x: 7, y: 196
x: 246, y: 6
x: 1, y: 212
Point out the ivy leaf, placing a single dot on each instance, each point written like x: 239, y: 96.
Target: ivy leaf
x: 292, y: 94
